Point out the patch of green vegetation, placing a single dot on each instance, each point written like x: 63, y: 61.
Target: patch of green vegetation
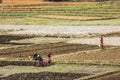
x: 77, y: 7
x: 106, y: 11
x: 84, y: 10
x: 41, y: 21
x: 17, y: 13
x: 67, y: 10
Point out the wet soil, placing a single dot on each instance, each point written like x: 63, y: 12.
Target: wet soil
x: 44, y: 76
x: 115, y: 76
x: 44, y: 49
x: 4, y: 39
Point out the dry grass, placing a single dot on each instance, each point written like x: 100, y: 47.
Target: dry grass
x: 70, y: 17
x: 21, y: 2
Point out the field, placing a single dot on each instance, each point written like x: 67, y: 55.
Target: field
x: 60, y: 13
x: 81, y: 60
x: 68, y: 30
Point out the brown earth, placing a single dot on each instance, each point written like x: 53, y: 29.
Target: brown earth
x: 19, y: 63
x: 108, y: 55
x: 112, y: 34
x: 115, y: 76
x: 36, y: 5
x: 43, y: 76
x: 86, y: 52
x: 44, y: 49
x: 70, y: 17
x: 7, y: 38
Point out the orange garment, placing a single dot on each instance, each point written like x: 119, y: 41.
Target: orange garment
x: 101, y: 40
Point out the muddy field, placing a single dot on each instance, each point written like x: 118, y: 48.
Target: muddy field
x: 115, y: 76
x: 62, y: 71
x: 17, y: 46
x: 44, y: 76
x: 21, y: 53
x: 43, y: 49
x: 75, y: 50
x: 6, y: 38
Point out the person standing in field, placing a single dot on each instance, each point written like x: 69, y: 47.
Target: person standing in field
x: 49, y: 58
x: 101, y: 42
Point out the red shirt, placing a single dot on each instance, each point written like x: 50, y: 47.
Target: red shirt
x: 101, y: 40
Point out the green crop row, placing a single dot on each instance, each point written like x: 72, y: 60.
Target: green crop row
x: 17, y: 13
x: 45, y: 21
x: 69, y: 10
x: 78, y: 7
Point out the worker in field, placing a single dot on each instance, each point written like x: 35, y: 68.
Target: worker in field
x: 41, y: 63
x: 39, y: 58
x: 49, y: 58
x: 35, y: 56
x: 101, y: 42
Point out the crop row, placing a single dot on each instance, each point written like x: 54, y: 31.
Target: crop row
x: 88, y: 15
x: 95, y: 10
x: 111, y: 56
x: 64, y: 13
x: 39, y: 9
x: 80, y: 12
x: 34, y: 47
x: 41, y: 3
x: 59, y: 48
x: 61, y: 7
x: 44, y: 76
x: 104, y: 10
x: 18, y: 63
x: 92, y: 14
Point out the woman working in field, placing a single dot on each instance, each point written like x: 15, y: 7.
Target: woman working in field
x: 40, y: 59
x: 101, y: 42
